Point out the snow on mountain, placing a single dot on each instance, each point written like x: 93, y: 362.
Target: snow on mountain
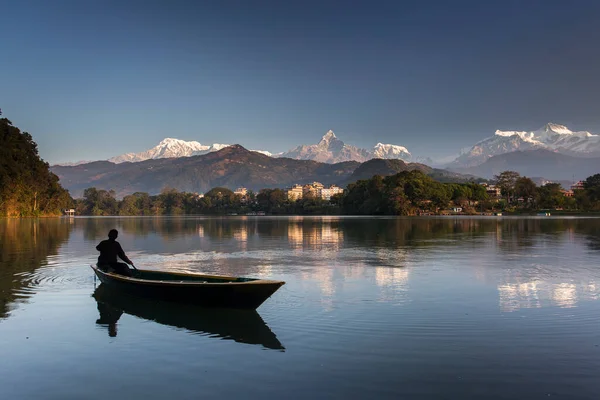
x: 167, y: 148
x: 391, y: 151
x: 330, y: 149
x: 72, y: 164
x: 266, y: 153
x: 553, y: 137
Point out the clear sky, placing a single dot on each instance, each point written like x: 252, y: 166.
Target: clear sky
x: 94, y: 79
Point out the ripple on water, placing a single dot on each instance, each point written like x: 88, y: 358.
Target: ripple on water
x: 56, y: 275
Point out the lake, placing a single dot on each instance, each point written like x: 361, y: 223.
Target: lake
x: 415, y: 308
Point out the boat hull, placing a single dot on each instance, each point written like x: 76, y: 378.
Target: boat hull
x: 224, y: 292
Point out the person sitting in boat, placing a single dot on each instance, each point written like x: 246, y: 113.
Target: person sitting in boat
x: 109, y: 250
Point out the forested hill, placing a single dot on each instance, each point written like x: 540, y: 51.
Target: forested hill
x: 383, y: 167
x: 27, y: 187
x: 231, y: 167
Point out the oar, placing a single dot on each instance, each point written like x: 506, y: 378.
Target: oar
x: 136, y: 270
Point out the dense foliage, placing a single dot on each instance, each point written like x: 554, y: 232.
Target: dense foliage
x: 218, y: 201
x: 408, y: 193
x: 521, y: 193
x: 405, y: 193
x: 27, y: 187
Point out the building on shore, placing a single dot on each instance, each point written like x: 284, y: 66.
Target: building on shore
x: 241, y: 191
x: 492, y: 190
x: 578, y: 186
x: 327, y: 193
x: 294, y: 193
x: 313, y: 190
x: 567, y: 193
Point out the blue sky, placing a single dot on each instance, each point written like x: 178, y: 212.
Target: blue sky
x: 90, y: 79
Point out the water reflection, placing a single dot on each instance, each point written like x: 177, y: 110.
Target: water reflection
x: 242, y: 326
x: 25, y: 245
x: 337, y: 232
x: 537, y: 294
x: 531, y: 261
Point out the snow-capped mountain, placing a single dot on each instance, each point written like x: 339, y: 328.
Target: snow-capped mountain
x: 266, y: 153
x: 73, y: 164
x: 167, y: 148
x: 173, y: 148
x: 391, y: 151
x: 332, y: 150
x: 553, y: 137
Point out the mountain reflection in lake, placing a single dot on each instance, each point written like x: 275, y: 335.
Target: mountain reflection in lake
x: 469, y: 308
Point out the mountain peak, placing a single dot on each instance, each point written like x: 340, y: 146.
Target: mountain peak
x: 556, y: 128
x: 331, y: 149
x: 329, y: 136
x: 170, y: 140
x: 391, y: 151
x: 552, y: 137
x: 168, y: 148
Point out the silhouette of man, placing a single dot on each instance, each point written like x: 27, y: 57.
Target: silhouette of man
x: 109, y: 317
x: 109, y: 250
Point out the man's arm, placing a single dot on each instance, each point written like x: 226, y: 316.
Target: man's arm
x: 122, y: 255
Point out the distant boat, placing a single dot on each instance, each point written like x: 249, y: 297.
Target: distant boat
x: 242, y: 326
x: 205, y: 290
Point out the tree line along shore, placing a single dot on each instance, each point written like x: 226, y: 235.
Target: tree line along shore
x: 406, y: 193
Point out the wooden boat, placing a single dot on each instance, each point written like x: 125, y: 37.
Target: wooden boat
x: 242, y: 326
x: 205, y: 290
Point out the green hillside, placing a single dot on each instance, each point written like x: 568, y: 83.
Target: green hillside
x: 27, y: 187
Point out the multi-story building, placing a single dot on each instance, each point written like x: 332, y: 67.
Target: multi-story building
x: 326, y: 193
x: 492, y: 190
x: 577, y: 186
x: 315, y: 190
x: 295, y: 193
x: 567, y: 193
x: 312, y: 189
x: 242, y: 191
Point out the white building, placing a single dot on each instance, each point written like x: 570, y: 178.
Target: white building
x: 327, y: 193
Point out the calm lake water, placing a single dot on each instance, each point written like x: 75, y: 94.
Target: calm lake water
x: 415, y: 308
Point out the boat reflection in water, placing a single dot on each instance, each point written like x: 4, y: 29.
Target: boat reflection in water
x: 242, y: 326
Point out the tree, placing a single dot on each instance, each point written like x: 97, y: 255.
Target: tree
x: 478, y: 192
x: 525, y: 188
x: 592, y: 187
x: 550, y: 196
x: 27, y: 187
x: 506, y: 182
x: 128, y: 206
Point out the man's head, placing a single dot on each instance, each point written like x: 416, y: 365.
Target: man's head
x: 113, y: 233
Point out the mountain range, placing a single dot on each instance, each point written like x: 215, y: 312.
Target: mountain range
x: 552, y: 152
x: 172, y: 148
x: 231, y: 167
x: 552, y: 137
x: 536, y: 163
x: 330, y: 150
